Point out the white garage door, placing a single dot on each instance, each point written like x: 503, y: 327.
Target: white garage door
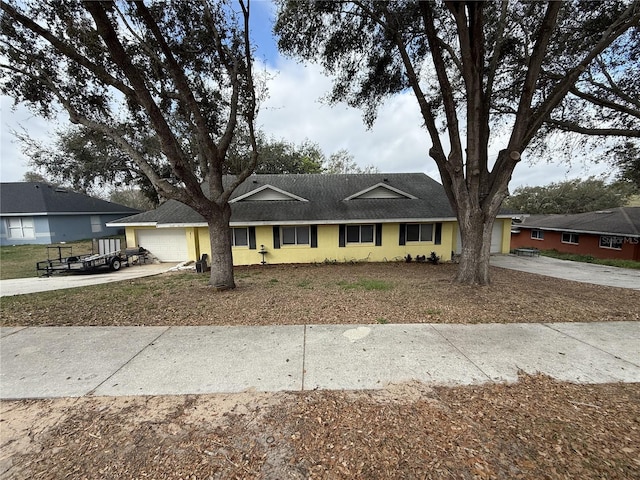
x: 496, y: 239
x: 166, y: 244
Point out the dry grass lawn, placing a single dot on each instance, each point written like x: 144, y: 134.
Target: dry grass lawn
x: 326, y: 294
x: 536, y: 428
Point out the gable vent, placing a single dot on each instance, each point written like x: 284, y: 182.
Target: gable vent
x: 380, y: 191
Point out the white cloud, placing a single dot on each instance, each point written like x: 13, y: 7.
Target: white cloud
x: 295, y: 111
x: 13, y: 164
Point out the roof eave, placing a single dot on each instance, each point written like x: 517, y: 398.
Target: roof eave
x: 575, y: 230
x: 132, y: 224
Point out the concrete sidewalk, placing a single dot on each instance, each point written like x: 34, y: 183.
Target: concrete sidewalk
x: 103, y: 361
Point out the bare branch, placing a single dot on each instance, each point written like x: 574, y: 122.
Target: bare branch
x: 171, y: 147
x: 607, y: 132
x: 242, y: 176
x: 631, y: 17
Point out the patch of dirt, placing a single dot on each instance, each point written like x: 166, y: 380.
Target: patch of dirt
x: 536, y: 428
x: 325, y: 294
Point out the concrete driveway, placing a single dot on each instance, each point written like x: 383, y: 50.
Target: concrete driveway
x: 576, y: 271
x: 21, y: 286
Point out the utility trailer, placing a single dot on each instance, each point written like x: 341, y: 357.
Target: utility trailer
x: 109, y: 256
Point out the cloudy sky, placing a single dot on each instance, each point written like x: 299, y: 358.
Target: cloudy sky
x: 294, y: 111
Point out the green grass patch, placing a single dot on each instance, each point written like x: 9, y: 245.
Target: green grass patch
x: 366, y: 284
x: 19, y: 261
x: 590, y: 259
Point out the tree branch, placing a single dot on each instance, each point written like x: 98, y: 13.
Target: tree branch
x: 242, y: 176
x: 608, y: 132
x: 182, y: 84
x: 455, y: 157
x: 608, y: 103
x: 171, y: 147
x: 162, y: 186
x: 67, y: 50
x: 533, y: 72
x: 630, y: 18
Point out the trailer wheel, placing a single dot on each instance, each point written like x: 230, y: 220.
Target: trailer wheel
x: 115, y: 264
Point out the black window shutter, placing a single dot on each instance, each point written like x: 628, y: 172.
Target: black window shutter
x: 378, y: 234
x: 314, y: 236
x: 403, y: 230
x: 252, y: 238
x: 341, y: 236
x: 276, y: 237
x: 438, y: 236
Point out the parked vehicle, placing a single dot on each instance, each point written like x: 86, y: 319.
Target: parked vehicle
x: 60, y: 258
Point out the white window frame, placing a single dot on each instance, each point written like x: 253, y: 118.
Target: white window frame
x: 537, y: 234
x: 23, y: 226
x: 608, y: 241
x: 234, y: 242
x: 96, y: 224
x: 368, y: 242
x: 573, y: 238
x: 296, y: 233
x: 421, y: 236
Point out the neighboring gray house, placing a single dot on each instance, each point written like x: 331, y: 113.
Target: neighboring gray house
x: 35, y: 212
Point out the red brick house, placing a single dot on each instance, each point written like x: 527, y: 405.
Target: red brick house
x: 613, y: 233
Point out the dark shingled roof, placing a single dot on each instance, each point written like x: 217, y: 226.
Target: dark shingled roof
x: 30, y: 198
x: 326, y: 196
x: 619, y: 221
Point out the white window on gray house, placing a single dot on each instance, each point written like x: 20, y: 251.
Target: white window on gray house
x: 610, y: 241
x: 537, y: 234
x: 570, y: 238
x: 419, y: 232
x: 359, y: 233
x: 96, y: 224
x: 20, y: 227
x: 240, y: 237
x: 295, y: 235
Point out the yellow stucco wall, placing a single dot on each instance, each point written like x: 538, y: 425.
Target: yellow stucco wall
x: 329, y: 250
x: 505, y: 245
x: 130, y: 236
x: 506, y: 234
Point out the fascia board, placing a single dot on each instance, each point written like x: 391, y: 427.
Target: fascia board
x: 137, y: 224
x: 182, y: 225
x: 341, y: 222
x: 50, y: 214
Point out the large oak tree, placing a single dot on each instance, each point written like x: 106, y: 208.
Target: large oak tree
x: 177, y: 72
x: 488, y: 76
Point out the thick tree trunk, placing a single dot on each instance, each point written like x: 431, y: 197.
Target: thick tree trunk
x: 221, y: 256
x: 475, y: 233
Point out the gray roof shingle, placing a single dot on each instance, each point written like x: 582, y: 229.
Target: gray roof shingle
x: 42, y: 198
x: 619, y: 221
x: 326, y: 203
